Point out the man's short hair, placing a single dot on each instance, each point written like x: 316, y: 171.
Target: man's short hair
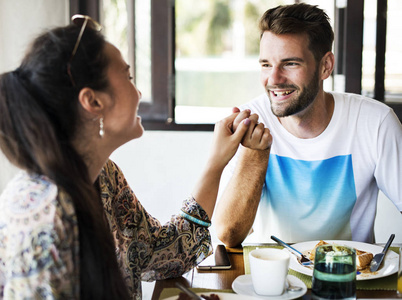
x: 301, y: 18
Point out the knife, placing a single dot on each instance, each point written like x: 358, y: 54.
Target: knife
x: 379, y: 257
x: 190, y: 293
x: 301, y: 257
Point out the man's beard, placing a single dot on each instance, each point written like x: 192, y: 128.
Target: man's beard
x: 302, y: 102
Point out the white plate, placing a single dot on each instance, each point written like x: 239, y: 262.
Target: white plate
x: 388, y: 267
x: 222, y: 296
x: 244, y: 286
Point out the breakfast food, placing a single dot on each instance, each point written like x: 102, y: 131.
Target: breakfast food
x: 183, y: 296
x: 312, y: 253
x: 363, y: 258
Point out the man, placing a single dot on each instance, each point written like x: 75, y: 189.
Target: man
x: 331, y: 152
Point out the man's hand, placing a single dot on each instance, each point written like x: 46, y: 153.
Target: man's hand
x: 257, y: 136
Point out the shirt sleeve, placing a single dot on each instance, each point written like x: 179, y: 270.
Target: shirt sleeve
x: 389, y: 161
x: 148, y: 250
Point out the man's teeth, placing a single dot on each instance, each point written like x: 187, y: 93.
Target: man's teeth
x: 282, y: 93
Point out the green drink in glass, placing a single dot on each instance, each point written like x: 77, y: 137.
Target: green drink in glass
x: 334, y: 275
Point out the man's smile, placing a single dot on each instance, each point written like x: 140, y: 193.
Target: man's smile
x: 282, y: 93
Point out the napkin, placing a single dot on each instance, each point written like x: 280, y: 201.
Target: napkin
x: 384, y: 283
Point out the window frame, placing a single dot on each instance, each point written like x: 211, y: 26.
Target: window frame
x: 349, y: 42
x: 159, y: 114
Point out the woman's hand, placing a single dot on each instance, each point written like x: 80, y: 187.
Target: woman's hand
x: 226, y: 140
x: 224, y: 146
x: 257, y: 136
x: 240, y: 127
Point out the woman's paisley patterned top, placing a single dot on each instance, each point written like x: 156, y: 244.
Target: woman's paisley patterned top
x: 39, y: 243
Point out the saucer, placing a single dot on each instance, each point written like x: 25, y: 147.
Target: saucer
x: 244, y: 286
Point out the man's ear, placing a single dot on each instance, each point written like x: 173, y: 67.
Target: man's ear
x: 327, y: 65
x: 90, y: 101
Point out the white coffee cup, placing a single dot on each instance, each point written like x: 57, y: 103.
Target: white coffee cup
x: 269, y: 269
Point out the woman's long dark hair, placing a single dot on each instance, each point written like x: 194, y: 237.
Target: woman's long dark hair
x: 39, y: 119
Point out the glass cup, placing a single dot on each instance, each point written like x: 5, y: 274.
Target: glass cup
x: 399, y: 282
x: 269, y: 269
x: 334, y: 275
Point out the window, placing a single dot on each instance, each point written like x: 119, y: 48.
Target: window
x: 391, y: 89
x: 194, y: 60
x: 393, y: 74
x: 381, y: 49
x: 216, y: 61
x: 125, y: 23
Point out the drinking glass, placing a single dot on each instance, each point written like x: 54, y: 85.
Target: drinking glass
x: 399, y: 282
x: 334, y: 275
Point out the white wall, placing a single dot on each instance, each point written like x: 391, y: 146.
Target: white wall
x: 161, y: 167
x: 20, y: 22
x: 388, y: 220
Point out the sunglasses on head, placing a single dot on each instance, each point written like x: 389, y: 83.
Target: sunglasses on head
x: 83, y: 21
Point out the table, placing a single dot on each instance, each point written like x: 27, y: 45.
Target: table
x: 222, y: 279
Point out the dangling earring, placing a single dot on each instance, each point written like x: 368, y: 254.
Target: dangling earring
x: 101, y: 131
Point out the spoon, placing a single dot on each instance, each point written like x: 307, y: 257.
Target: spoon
x: 293, y: 288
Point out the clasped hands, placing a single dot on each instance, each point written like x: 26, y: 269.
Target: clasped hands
x: 241, y: 127
x: 257, y: 137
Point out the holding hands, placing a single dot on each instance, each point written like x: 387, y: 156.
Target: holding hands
x: 226, y: 140
x: 240, y: 127
x: 233, y: 226
x: 257, y: 137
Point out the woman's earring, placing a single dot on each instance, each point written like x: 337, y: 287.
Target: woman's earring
x: 101, y: 131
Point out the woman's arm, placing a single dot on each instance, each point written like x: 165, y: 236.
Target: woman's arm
x: 148, y: 250
x: 224, y: 147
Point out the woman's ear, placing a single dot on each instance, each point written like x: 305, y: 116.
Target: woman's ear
x: 90, y: 101
x: 327, y: 65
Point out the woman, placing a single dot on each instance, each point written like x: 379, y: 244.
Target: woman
x: 70, y: 226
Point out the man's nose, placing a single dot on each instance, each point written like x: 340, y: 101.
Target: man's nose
x: 276, y: 76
